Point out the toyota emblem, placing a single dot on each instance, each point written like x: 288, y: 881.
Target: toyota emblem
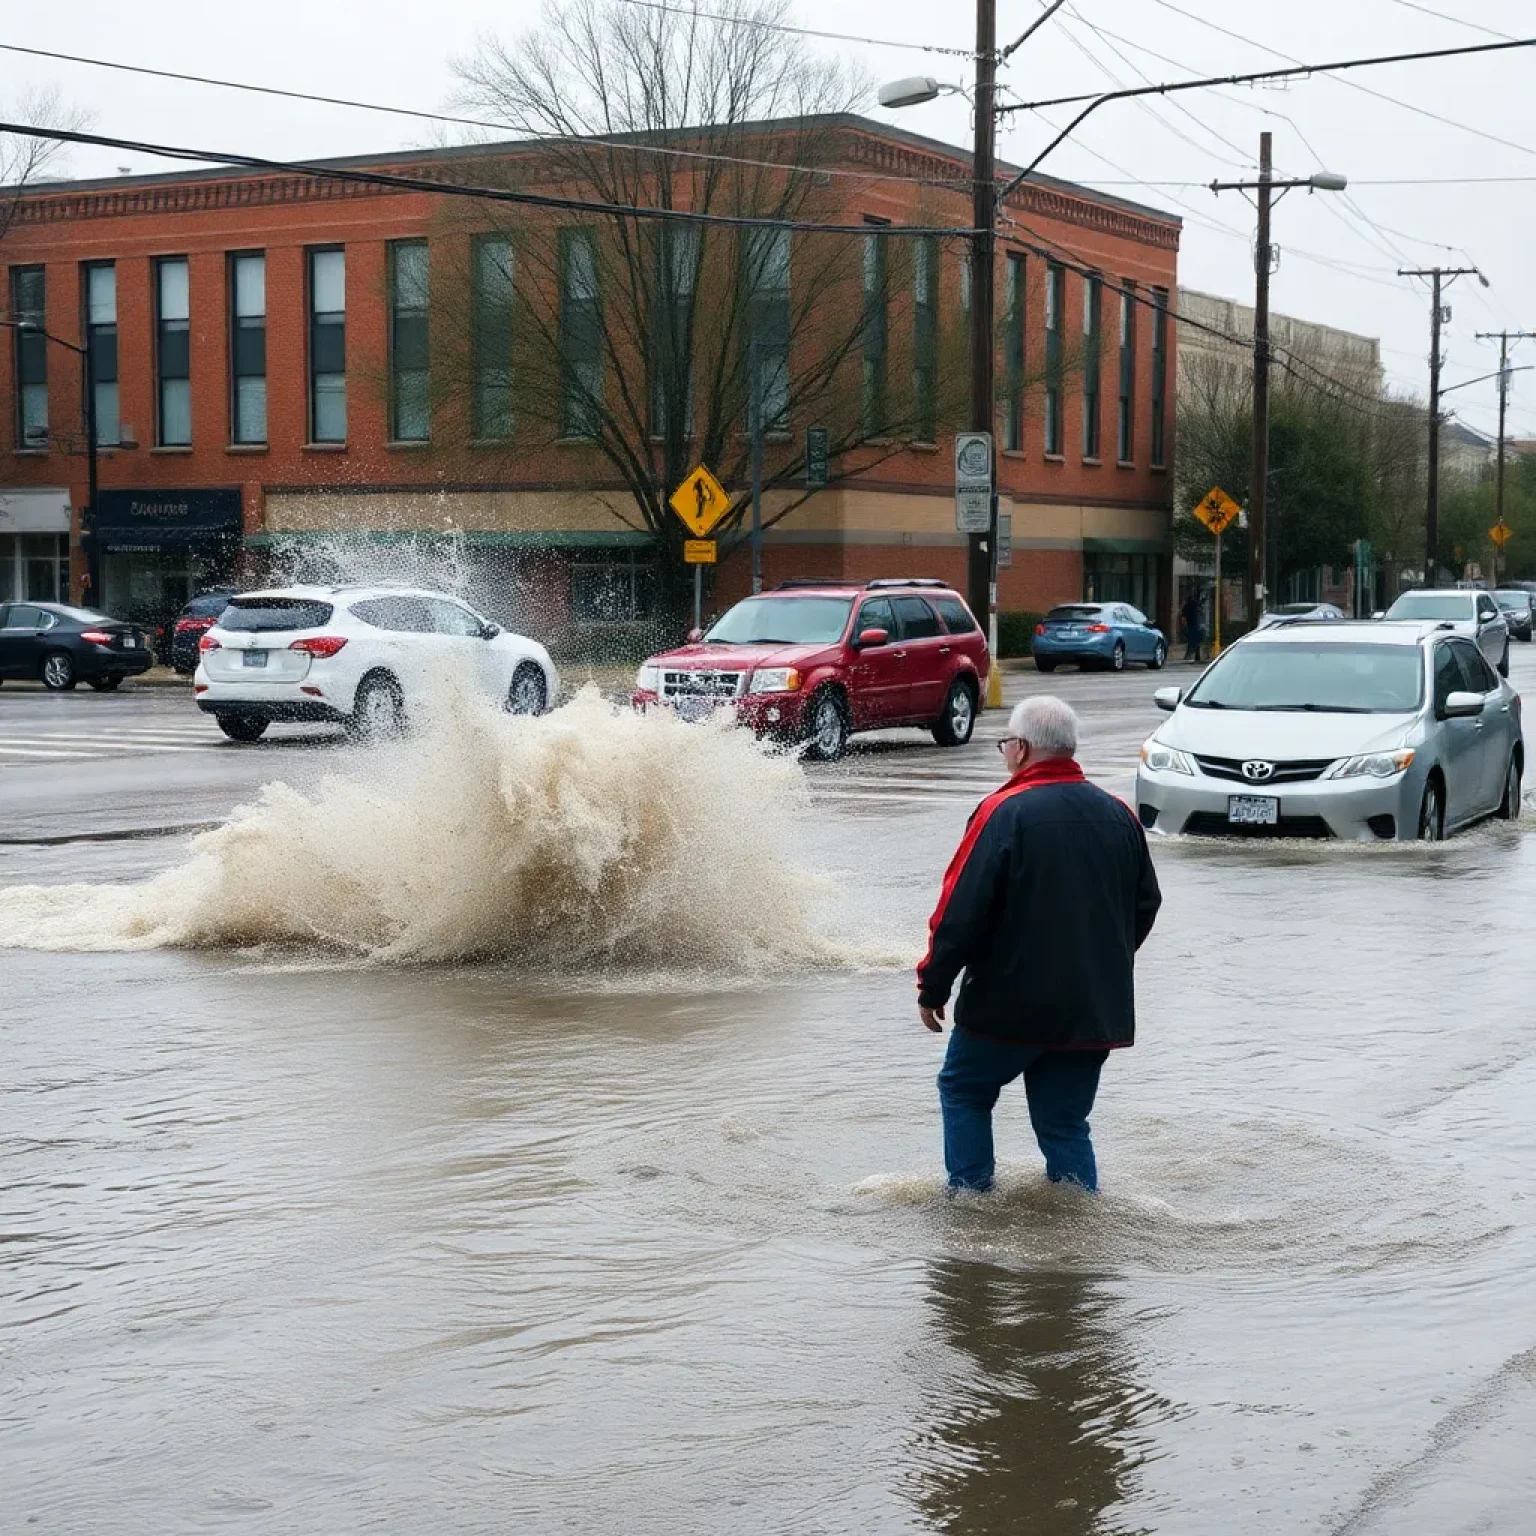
x: 1257, y: 772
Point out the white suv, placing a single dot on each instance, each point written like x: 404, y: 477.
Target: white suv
x: 357, y: 655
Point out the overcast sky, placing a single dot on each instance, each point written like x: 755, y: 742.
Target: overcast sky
x: 1339, y: 254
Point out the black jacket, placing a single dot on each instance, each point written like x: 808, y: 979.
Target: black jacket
x: 1044, y: 906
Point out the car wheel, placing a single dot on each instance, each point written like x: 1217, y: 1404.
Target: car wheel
x: 1504, y: 664
x: 104, y: 684
x: 243, y: 727
x: 529, y: 694
x: 58, y: 671
x: 953, y: 728
x: 1159, y: 656
x: 1432, y: 813
x: 1509, y: 806
x: 1117, y: 657
x: 378, y: 711
x: 826, y: 737
x: 1042, y: 665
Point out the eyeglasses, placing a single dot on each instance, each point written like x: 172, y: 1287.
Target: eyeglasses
x: 1003, y: 745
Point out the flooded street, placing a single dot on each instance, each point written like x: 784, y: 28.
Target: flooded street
x: 300, y: 1241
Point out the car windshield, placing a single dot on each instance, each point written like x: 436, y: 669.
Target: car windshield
x: 1513, y: 602
x: 1072, y: 613
x: 264, y: 613
x: 1332, y: 679
x: 1431, y: 605
x: 783, y: 621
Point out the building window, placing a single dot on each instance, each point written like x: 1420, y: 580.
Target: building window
x: 493, y: 340
x: 30, y: 345
x: 410, y: 403
x: 876, y: 335
x: 1055, y: 293
x: 766, y: 253
x: 1093, y: 305
x: 173, y: 355
x: 612, y: 586
x: 1125, y: 433
x: 677, y: 272
x: 248, y: 347
x: 581, y: 335
x: 1159, y: 372
x: 925, y: 337
x: 34, y: 567
x: 1013, y: 356
x: 101, y: 338
x: 328, y: 346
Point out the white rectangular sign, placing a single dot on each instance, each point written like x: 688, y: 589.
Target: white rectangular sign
x: 973, y: 482
x: 1004, y: 540
x: 973, y: 509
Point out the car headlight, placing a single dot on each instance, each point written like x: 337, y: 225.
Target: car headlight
x: 1379, y: 765
x: 775, y: 680
x: 1161, y: 759
x: 648, y: 680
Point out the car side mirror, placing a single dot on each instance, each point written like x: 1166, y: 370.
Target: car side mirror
x: 869, y: 637
x: 1379, y: 614
x: 1168, y: 698
x: 490, y: 631
x: 1459, y: 706
x: 695, y: 635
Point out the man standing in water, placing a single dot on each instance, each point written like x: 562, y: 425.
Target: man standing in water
x: 1044, y: 906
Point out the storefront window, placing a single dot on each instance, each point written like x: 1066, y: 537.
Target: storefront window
x: 612, y: 587
x: 34, y: 567
x: 1121, y: 579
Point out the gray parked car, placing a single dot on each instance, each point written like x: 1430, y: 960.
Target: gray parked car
x: 1469, y: 613
x: 1516, y: 606
x: 1356, y: 730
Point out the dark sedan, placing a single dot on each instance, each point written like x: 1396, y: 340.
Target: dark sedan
x: 1516, y: 608
x: 192, y: 623
x: 63, y: 646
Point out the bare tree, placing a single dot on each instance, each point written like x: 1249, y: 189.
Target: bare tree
x: 25, y: 161
x: 636, y: 341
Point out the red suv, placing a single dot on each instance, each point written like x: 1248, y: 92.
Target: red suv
x: 817, y: 660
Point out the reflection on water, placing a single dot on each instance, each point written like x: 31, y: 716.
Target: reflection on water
x: 1032, y: 1429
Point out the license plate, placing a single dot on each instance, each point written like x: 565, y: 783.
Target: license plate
x: 253, y: 658
x: 1067, y: 634
x: 1253, y: 811
x: 129, y: 642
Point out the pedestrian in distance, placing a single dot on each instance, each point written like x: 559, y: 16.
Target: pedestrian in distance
x: 1194, y: 629
x: 1044, y: 905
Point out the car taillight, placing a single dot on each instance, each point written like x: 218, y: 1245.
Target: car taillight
x: 1098, y: 629
x: 185, y: 626
x: 96, y: 636
x: 1039, y: 629
x: 208, y: 643
x: 321, y: 645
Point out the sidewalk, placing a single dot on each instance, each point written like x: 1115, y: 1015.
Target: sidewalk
x: 156, y: 677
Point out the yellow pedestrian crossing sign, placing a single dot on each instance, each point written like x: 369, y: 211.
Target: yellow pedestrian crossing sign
x: 1217, y: 510
x: 700, y: 501
x: 1501, y: 533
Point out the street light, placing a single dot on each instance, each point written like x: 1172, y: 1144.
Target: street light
x: 911, y: 92
x: 1258, y: 489
x: 24, y: 326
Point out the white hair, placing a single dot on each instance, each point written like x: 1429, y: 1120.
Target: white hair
x: 1047, y: 723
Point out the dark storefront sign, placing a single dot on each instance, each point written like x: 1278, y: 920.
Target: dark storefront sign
x: 133, y: 522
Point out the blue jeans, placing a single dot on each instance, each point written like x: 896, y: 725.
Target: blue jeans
x: 1060, y: 1087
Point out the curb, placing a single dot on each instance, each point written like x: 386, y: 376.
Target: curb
x: 156, y: 677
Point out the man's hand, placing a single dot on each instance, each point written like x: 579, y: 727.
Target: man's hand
x: 933, y: 1018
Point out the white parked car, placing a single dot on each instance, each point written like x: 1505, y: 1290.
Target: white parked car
x: 361, y: 656
x: 1470, y: 613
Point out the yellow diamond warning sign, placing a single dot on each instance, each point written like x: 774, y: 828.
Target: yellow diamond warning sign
x: 1501, y: 533
x: 700, y: 501
x: 1217, y: 510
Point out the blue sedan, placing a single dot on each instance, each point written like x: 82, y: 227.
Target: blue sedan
x: 1098, y: 635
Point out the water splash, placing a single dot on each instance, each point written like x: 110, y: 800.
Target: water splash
x: 590, y: 837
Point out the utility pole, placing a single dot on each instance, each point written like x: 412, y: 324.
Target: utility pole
x: 981, y: 563
x: 1503, y: 338
x: 1258, y: 483
x: 1440, y: 278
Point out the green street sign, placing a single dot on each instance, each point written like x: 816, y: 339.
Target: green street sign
x: 816, y: 455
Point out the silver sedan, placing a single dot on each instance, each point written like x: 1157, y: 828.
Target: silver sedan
x: 1368, y: 731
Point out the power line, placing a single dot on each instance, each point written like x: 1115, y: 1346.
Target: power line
x: 779, y: 26
x: 402, y: 183
x: 1407, y: 106
x: 469, y: 122
x: 1456, y: 21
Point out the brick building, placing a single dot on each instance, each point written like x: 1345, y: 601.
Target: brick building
x: 264, y: 403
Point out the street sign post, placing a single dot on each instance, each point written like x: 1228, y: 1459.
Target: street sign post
x: 1217, y: 511
x: 973, y: 482
x: 816, y: 456
x: 700, y: 501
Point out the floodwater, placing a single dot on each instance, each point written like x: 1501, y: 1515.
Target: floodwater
x: 630, y: 1236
